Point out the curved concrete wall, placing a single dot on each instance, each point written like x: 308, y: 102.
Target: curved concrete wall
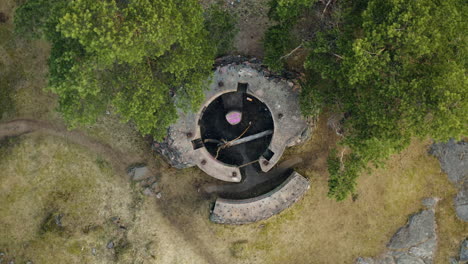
x: 246, y: 211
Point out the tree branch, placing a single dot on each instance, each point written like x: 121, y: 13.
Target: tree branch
x: 338, y: 56
x: 326, y: 6
x: 290, y: 53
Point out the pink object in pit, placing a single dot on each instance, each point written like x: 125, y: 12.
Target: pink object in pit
x: 234, y: 117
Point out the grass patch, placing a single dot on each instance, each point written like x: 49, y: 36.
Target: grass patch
x: 51, y: 191
x: 22, y: 77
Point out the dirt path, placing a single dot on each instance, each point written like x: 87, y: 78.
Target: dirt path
x: 119, y: 160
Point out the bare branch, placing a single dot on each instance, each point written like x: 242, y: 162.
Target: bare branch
x: 290, y: 53
x: 338, y: 56
x: 326, y: 6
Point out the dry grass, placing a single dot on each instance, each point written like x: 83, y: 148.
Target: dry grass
x: 43, y: 177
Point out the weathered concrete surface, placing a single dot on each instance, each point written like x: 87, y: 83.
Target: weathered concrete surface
x: 277, y: 93
x: 453, y: 157
x: 414, y: 243
x: 246, y: 211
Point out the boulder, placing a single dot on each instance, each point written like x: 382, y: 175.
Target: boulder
x: 408, y: 259
x: 461, y: 202
x: 464, y: 250
x: 453, y: 157
x: 365, y: 261
x: 138, y: 172
x: 431, y: 202
x: 424, y: 250
x: 420, y: 228
x: 414, y: 243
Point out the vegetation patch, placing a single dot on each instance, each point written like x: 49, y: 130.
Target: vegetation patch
x: 222, y: 27
x: 279, y: 39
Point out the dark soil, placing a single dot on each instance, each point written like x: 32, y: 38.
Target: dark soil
x: 3, y: 17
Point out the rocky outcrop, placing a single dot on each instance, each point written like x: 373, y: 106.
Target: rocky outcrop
x: 461, y: 202
x: 138, y: 172
x: 414, y: 243
x: 453, y: 157
x: 464, y: 250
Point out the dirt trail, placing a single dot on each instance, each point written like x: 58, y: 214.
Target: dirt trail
x: 19, y: 127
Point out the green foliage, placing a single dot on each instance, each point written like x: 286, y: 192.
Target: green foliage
x: 135, y: 57
x: 399, y: 69
x: 311, y: 98
x: 276, y: 43
x: 31, y: 18
x: 222, y: 28
x: 5, y: 90
x: 343, y: 182
x: 287, y: 11
x: 278, y: 39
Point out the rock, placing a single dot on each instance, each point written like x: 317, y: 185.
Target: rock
x: 408, y: 259
x: 461, y: 202
x: 424, y: 250
x: 415, y: 243
x: 365, y: 261
x: 110, y: 245
x: 453, y: 157
x: 159, y: 195
x: 139, y: 172
x: 386, y: 260
x: 58, y: 220
x: 148, y: 192
x: 420, y: 227
x: 464, y: 250
x: 430, y: 203
x: 148, y: 182
x: 155, y: 187
x: 382, y: 260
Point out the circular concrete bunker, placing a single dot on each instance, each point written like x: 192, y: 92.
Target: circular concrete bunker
x: 238, y: 136
x: 248, y: 117
x: 236, y: 128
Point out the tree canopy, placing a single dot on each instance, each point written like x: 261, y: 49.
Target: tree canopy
x: 130, y: 56
x: 398, y: 70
